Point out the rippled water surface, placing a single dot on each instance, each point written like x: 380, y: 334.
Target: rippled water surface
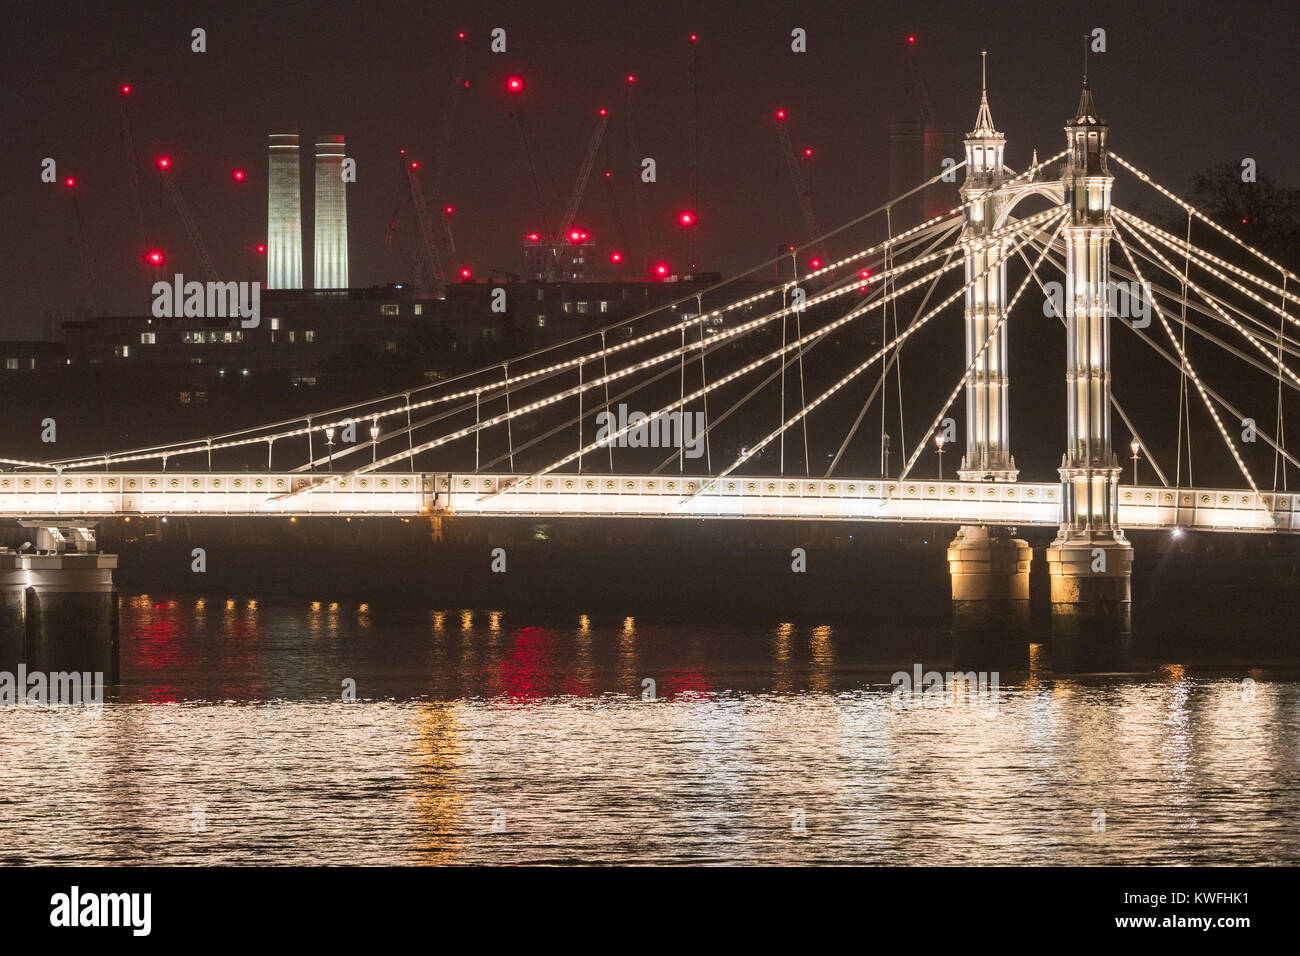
x: 481, y: 737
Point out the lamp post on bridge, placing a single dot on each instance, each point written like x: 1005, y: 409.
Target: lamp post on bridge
x: 1135, y: 446
x: 329, y: 447
x: 938, y: 441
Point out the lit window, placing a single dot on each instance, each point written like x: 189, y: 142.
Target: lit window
x: 275, y: 324
x: 568, y: 307
x: 122, y: 351
x: 417, y: 309
x: 583, y: 308
x: 604, y: 306
x: 541, y: 321
x: 11, y: 364
x: 309, y: 336
x: 291, y: 335
x: 186, y: 398
x: 148, y: 338
x: 389, y: 309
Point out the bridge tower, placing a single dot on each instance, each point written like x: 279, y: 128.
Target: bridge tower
x: 988, y: 455
x: 989, y: 567
x: 1090, y: 561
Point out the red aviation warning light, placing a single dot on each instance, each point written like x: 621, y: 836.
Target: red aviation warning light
x: 911, y: 38
x: 533, y: 237
x: 686, y: 218
x: 661, y: 269
x: 155, y: 257
x: 238, y: 175
x: 460, y: 35
x: 814, y: 263
x: 514, y: 85
x: 693, y: 39
x: 630, y: 78
x: 70, y: 182
x: 261, y: 248
x: 124, y: 89
x: 465, y: 273
x: 603, y: 111
x: 616, y: 257
x: 449, y: 210
x: 164, y: 162
x: 414, y: 164
x: 807, y: 152
x: 780, y: 115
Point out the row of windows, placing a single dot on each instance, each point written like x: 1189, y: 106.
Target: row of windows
x: 199, y: 338
x: 13, y: 364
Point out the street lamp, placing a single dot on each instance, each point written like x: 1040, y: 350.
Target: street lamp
x: 1135, y: 446
x: 329, y: 445
x: 938, y: 441
x: 374, y: 440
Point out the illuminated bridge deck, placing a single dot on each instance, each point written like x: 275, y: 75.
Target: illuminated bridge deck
x: 106, y: 494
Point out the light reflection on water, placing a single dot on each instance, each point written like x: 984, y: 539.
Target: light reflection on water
x: 231, y: 714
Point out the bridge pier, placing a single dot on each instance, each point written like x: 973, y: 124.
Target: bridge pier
x: 990, y: 594
x: 1092, y: 600
x: 58, y: 606
x: 13, y: 610
x: 71, y: 614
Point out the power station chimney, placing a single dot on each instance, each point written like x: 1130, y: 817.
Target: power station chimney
x: 283, y: 215
x: 331, y: 262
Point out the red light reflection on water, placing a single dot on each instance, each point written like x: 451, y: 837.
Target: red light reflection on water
x: 533, y: 669
x: 687, y: 684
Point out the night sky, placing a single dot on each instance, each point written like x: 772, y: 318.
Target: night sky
x: 1183, y: 86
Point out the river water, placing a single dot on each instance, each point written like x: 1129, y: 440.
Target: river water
x: 480, y: 737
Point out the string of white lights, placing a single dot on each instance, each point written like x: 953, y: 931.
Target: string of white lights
x: 970, y: 369
x: 1191, y: 372
x: 1200, y: 215
x: 897, y: 342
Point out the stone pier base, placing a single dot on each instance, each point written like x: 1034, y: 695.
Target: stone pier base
x: 13, y: 610
x: 990, y: 595
x: 1091, y: 578
x: 71, y: 613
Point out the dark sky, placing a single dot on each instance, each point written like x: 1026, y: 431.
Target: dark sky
x: 1183, y: 85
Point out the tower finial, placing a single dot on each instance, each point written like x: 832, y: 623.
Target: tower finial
x: 984, y: 73
x: 1086, y: 41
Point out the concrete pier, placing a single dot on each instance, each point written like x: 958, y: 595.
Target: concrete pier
x: 1091, y: 580
x: 13, y: 610
x: 71, y: 613
x: 990, y: 594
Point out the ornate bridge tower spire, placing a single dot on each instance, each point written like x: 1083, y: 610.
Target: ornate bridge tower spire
x: 989, y: 566
x: 988, y: 454
x: 1090, y: 560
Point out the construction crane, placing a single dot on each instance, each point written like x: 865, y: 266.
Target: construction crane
x: 575, y: 198
x: 125, y: 91
x: 619, y: 256
x: 641, y: 188
x: 183, y: 211
x: 435, y: 271
x: 437, y: 172
x: 799, y: 180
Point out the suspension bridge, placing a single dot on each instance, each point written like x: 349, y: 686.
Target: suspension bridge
x: 523, y: 437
